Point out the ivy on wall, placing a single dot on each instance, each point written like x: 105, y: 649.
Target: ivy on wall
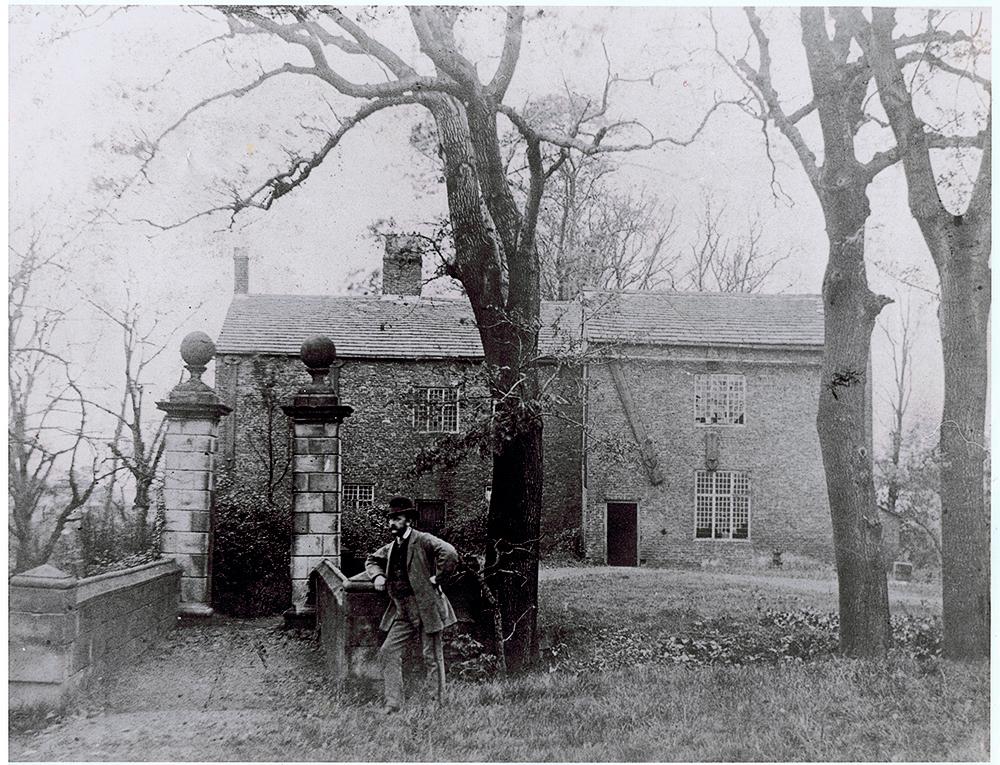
x: 253, y: 504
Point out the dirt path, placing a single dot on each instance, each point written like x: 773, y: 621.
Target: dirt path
x: 208, y: 692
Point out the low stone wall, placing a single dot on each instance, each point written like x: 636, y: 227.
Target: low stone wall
x: 348, y: 613
x: 63, y: 630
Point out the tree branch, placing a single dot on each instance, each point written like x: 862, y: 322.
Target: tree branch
x: 275, y: 187
x: 936, y: 62
x: 437, y: 42
x: 371, y: 46
x: 761, y: 78
x: 233, y: 93
x: 802, y: 112
x: 597, y: 144
x: 936, y: 140
x: 880, y: 161
x: 930, y: 36
x: 322, y: 69
x: 497, y: 87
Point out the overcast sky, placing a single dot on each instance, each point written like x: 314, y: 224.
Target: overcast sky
x: 85, y: 89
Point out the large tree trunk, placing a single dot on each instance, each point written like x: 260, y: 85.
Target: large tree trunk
x: 842, y: 422
x: 505, y: 303
x: 850, y: 310
x: 960, y: 246
x: 965, y: 518
x: 513, y: 529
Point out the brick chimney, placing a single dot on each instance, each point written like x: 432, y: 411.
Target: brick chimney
x: 401, y: 265
x: 241, y: 271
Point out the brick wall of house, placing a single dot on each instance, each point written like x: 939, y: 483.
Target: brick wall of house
x: 562, y: 444
x: 379, y: 442
x: 778, y: 446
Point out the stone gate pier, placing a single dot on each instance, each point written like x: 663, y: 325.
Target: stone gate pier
x: 193, y: 411
x: 316, y: 414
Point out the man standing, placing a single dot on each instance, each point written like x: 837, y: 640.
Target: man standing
x: 409, y: 568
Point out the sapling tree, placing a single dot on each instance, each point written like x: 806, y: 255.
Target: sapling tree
x: 52, y: 465
x: 722, y: 262
x: 137, y: 445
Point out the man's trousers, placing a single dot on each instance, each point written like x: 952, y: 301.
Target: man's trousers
x: 405, y: 628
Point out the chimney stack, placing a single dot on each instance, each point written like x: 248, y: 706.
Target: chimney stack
x: 241, y: 271
x: 402, y: 265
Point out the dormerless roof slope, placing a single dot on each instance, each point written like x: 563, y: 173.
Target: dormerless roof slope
x: 703, y: 318
x: 414, y: 328
x: 374, y: 327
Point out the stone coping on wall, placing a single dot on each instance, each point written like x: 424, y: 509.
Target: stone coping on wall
x: 62, y: 628
x: 334, y: 577
x: 338, y: 582
x: 100, y: 584
x: 46, y: 576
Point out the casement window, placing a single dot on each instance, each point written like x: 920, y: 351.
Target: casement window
x: 720, y: 399
x: 436, y: 410
x: 722, y: 504
x: 358, y: 496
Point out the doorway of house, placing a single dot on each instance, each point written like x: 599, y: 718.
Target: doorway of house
x: 432, y: 515
x: 623, y: 534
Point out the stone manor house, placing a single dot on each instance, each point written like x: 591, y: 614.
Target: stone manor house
x: 684, y: 431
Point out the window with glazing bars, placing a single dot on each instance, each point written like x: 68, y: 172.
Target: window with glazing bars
x: 720, y: 399
x: 435, y: 410
x: 722, y: 504
x: 358, y: 496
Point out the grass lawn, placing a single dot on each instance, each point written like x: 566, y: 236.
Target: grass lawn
x: 582, y: 609
x: 606, y: 693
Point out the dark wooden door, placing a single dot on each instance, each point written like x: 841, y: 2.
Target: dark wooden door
x: 623, y: 537
x: 432, y: 516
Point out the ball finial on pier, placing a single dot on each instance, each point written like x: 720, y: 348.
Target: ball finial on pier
x: 318, y: 354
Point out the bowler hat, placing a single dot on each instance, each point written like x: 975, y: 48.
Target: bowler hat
x: 402, y: 506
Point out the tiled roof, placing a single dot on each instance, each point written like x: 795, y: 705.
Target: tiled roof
x: 411, y: 328
x: 373, y: 327
x: 703, y: 318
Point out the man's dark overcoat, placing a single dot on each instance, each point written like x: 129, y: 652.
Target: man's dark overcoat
x: 426, y: 556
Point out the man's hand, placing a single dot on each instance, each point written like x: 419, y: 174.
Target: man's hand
x: 379, y: 582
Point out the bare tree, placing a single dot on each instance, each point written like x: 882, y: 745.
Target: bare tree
x: 919, y: 502
x: 590, y: 233
x: 139, y: 452
x: 958, y: 237
x: 269, y: 444
x: 839, y: 88
x: 727, y: 263
x: 495, y: 248
x: 52, y: 470
x: 891, y: 468
x: 899, y: 402
x: 593, y: 235
x: 909, y: 474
